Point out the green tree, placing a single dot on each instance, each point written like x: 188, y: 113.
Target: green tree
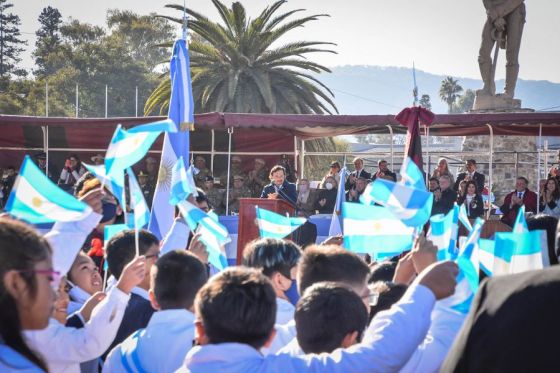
x: 10, y: 42
x: 425, y: 102
x: 449, y: 92
x: 464, y: 102
x: 48, y: 41
x: 235, y: 68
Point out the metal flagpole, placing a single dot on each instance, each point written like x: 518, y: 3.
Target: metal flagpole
x: 136, y: 110
x: 77, y: 103
x: 106, y: 96
x: 230, y: 132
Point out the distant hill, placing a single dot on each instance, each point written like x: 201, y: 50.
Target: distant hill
x: 389, y: 89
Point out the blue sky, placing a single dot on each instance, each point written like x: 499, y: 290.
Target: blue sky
x: 441, y: 36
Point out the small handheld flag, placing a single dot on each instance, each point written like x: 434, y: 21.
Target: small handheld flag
x: 38, y: 200
x: 274, y: 225
x: 335, y: 227
x: 182, y: 182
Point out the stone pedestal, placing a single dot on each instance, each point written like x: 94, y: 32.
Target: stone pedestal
x: 504, y: 171
x: 486, y: 103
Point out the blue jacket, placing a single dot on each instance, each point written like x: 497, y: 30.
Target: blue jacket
x: 287, y: 192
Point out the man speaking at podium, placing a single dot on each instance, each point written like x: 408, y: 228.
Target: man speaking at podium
x: 279, y: 187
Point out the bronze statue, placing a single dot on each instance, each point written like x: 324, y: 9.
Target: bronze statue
x: 503, y: 26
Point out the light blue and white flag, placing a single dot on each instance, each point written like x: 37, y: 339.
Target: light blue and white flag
x: 468, y: 277
x: 175, y: 145
x: 517, y: 252
x: 486, y: 255
x: 374, y: 230
x: 113, y: 183
x: 213, y: 234
x: 520, y: 225
x: 411, y: 175
x: 443, y: 233
x: 36, y: 199
x: 335, y: 228
x: 274, y: 225
x: 182, y: 182
x: 137, y: 202
x: 464, y: 218
x: 129, y: 146
x: 411, y: 205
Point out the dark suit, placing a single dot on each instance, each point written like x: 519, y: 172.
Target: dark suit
x: 510, y: 214
x: 478, y: 178
x: 512, y: 326
x: 137, y: 314
x: 445, y: 203
x: 363, y: 173
x: 387, y: 173
x: 476, y: 207
x: 287, y: 192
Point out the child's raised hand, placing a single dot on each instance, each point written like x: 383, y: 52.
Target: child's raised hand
x: 90, y: 304
x: 132, y: 274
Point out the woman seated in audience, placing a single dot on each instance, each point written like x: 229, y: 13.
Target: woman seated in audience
x: 472, y: 200
x: 550, y: 198
x: 327, y: 196
x: 334, y: 171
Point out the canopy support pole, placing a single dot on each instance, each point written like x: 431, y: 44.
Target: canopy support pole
x: 490, y: 166
x: 230, y: 133
x: 212, y: 151
x: 539, y: 145
x: 427, y: 153
x: 296, y: 156
x: 302, y: 158
x: 392, y: 150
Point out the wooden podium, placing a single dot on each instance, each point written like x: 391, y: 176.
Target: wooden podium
x: 247, y: 229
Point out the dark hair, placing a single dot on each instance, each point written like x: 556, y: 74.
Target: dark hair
x: 277, y: 168
x: 80, y: 183
x: 237, y: 305
x: 271, y: 255
x: 330, y: 263
x: 524, y: 179
x: 176, y: 278
x: 547, y: 223
x: 556, y: 193
x: 388, y: 293
x: 325, y: 314
x: 434, y: 179
x: 121, y: 248
x: 383, y: 271
x: 21, y: 248
x: 464, y: 195
x: 470, y: 161
x: 201, y: 196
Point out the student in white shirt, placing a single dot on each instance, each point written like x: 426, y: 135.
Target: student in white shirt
x: 26, y: 295
x: 176, y: 277
x: 84, y: 280
x: 276, y: 259
x: 230, y: 337
x: 64, y: 348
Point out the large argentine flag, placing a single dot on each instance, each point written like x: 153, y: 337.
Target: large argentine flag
x: 175, y: 145
x: 443, y: 233
x: 274, y: 225
x: 129, y: 146
x: 374, y: 230
x: 38, y: 200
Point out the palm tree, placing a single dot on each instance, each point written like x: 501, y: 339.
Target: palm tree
x: 236, y: 68
x: 449, y: 91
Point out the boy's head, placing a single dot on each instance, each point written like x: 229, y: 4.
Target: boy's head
x: 176, y: 277
x: 329, y: 316
x: 276, y: 259
x: 334, y: 264
x: 236, y: 305
x: 121, y: 249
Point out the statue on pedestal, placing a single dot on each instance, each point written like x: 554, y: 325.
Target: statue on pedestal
x: 503, y: 30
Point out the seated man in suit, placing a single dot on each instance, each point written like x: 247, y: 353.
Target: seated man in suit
x: 358, y: 172
x: 519, y: 197
x: 471, y: 174
x: 279, y: 187
x: 384, y: 172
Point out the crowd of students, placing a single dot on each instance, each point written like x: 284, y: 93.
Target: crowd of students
x: 138, y: 304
